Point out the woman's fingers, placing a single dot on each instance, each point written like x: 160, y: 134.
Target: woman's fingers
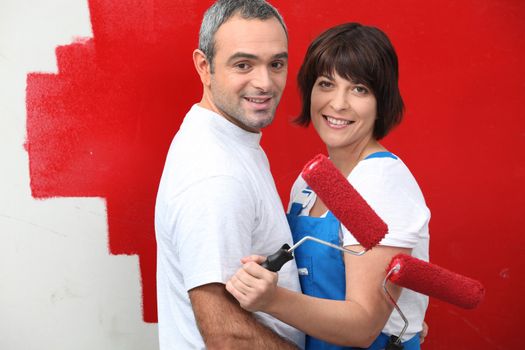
x: 424, y: 333
x: 255, y: 258
x: 242, y: 281
x: 251, y: 276
x: 253, y: 286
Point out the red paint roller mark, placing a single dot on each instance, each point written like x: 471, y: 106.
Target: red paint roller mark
x: 102, y: 125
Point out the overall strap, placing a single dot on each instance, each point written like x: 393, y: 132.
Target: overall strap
x: 301, y: 201
x: 383, y: 154
x: 296, y: 209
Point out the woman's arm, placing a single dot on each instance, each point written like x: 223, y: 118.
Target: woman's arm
x: 356, y: 321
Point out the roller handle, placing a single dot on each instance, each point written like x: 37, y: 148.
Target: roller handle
x: 275, y: 261
x: 394, y: 343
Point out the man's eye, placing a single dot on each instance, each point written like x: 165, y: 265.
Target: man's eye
x: 243, y: 66
x: 277, y: 65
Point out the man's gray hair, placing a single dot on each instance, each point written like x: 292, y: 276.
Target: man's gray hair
x: 222, y: 10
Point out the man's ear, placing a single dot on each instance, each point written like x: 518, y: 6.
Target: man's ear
x: 202, y: 66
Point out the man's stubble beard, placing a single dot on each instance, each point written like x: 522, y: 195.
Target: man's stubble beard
x: 236, y: 112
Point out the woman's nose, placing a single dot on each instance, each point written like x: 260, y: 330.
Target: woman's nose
x: 340, y: 100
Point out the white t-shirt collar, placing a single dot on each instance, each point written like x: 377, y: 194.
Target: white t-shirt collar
x: 223, y: 125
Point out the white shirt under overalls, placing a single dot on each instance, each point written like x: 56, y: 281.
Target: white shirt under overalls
x: 391, y: 190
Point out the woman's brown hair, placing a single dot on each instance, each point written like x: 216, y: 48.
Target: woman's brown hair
x: 363, y: 55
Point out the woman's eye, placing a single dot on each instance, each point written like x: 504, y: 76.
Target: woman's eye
x: 360, y: 89
x: 325, y: 84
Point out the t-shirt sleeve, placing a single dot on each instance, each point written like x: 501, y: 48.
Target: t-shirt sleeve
x: 211, y: 225
x: 403, y: 211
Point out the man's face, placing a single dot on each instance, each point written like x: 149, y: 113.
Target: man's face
x: 250, y: 68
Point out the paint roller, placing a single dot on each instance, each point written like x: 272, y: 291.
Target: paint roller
x: 368, y: 228
x: 432, y: 280
x: 347, y: 205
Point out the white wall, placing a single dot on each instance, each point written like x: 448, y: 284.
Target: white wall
x: 59, y: 286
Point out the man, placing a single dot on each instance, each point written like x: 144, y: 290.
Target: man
x: 217, y: 200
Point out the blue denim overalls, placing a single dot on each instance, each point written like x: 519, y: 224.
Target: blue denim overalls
x: 321, y: 268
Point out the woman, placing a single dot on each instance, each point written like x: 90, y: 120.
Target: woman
x: 349, y: 88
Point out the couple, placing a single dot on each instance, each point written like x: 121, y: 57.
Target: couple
x: 217, y: 202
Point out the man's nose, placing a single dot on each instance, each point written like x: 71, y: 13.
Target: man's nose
x: 262, y: 79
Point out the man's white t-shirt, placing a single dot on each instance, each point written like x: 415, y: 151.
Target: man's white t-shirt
x: 216, y: 203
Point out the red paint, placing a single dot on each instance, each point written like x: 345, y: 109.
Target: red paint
x: 102, y: 125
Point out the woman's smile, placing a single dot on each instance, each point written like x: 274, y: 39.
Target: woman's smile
x: 337, y: 123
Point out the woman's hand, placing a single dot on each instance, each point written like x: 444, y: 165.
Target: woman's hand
x: 252, y: 285
x: 424, y: 332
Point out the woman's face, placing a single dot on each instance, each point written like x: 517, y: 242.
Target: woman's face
x: 343, y: 113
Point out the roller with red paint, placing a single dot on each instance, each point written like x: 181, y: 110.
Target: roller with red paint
x: 348, y: 206
x: 435, y: 281
x: 343, y: 200
x: 432, y: 280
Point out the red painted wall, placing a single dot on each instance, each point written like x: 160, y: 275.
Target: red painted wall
x: 102, y: 126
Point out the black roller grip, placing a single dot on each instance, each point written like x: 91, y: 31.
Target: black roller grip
x: 275, y: 261
x: 394, y: 344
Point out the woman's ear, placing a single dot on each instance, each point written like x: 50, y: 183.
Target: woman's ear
x: 202, y: 66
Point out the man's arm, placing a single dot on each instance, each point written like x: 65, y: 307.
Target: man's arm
x: 225, y: 325
x: 355, y: 321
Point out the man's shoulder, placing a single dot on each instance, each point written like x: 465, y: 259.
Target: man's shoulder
x: 190, y: 165
x: 203, y: 156
x: 199, y: 153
